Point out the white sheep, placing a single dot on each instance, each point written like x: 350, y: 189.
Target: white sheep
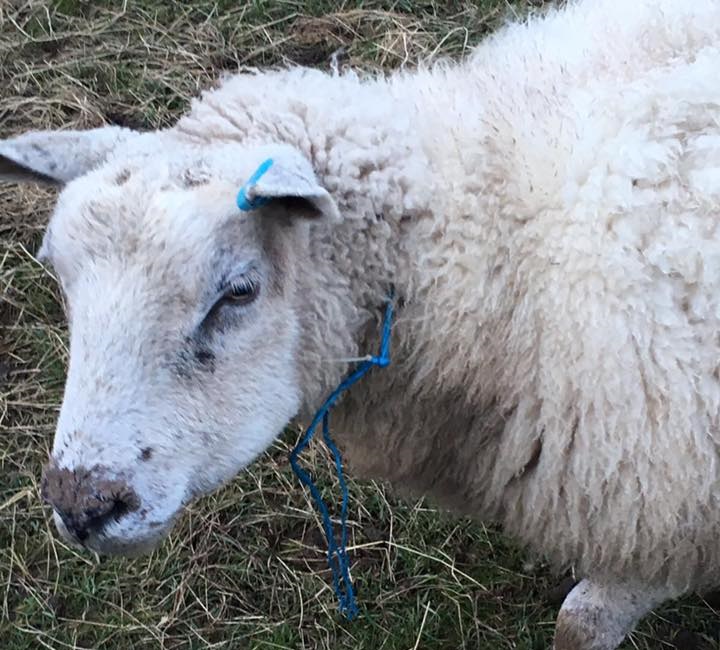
x: 548, y: 211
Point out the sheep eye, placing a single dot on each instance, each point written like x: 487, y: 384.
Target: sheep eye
x: 241, y: 292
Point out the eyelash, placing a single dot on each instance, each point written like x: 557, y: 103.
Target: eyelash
x: 241, y: 292
x: 236, y: 294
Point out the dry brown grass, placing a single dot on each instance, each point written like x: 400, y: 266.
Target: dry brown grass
x: 245, y: 568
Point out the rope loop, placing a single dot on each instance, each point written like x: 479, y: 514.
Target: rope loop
x: 337, y: 552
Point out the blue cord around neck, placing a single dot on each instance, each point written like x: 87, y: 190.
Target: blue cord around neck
x: 337, y: 553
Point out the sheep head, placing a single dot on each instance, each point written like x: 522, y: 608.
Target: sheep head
x: 183, y: 319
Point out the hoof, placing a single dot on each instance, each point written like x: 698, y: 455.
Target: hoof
x: 573, y: 632
x: 598, y: 615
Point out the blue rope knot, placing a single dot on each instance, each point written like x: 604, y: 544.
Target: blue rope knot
x: 380, y: 362
x: 337, y: 553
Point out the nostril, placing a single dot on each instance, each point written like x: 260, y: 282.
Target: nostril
x: 81, y: 533
x: 120, y: 508
x: 109, y: 510
x: 86, y: 500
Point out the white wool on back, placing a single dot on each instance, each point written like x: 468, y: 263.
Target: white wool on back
x: 548, y: 211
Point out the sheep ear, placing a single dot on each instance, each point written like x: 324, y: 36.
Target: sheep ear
x: 57, y: 157
x: 287, y: 178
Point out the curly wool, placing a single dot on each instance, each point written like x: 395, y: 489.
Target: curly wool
x: 548, y: 212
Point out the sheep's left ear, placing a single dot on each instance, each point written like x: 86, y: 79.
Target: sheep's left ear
x: 286, y: 177
x: 57, y: 157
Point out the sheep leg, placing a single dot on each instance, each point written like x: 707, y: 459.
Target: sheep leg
x: 597, y: 615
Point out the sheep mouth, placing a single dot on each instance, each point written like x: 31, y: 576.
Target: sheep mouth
x: 108, y: 543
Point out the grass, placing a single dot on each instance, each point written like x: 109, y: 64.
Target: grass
x: 245, y: 568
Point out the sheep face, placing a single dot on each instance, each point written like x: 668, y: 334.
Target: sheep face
x: 183, y: 330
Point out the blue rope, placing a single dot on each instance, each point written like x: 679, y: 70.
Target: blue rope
x: 337, y: 553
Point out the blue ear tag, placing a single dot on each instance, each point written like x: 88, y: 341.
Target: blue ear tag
x: 243, y: 202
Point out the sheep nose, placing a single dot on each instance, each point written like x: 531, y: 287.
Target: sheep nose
x: 86, y: 500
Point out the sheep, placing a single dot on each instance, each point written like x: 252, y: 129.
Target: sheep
x: 547, y: 211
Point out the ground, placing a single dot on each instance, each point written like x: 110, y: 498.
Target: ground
x: 245, y: 568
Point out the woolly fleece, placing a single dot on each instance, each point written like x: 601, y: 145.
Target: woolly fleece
x: 548, y: 212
